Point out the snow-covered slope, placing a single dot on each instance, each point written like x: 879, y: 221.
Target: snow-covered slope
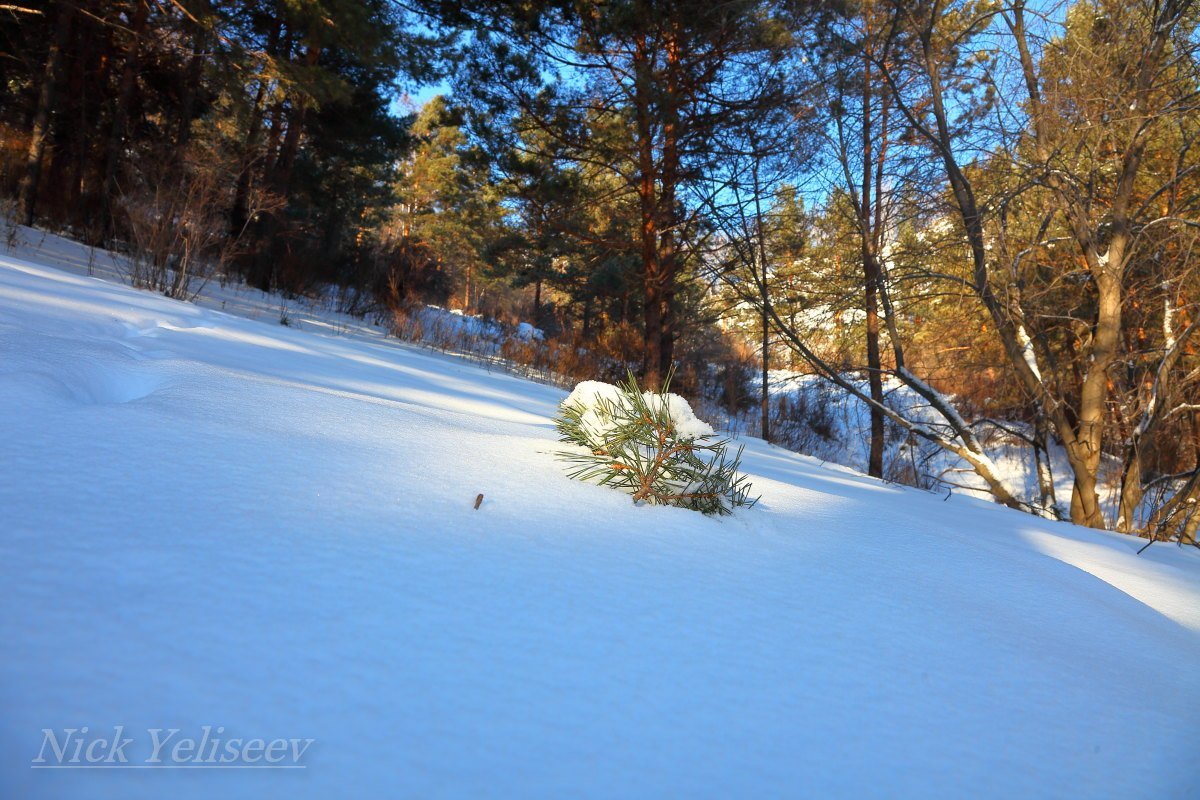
x: 207, y: 520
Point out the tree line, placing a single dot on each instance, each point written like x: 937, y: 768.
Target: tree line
x: 255, y: 133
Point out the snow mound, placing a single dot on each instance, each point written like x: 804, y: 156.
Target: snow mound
x: 528, y: 333
x: 597, y: 400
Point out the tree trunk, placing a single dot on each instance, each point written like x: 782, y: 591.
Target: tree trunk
x: 874, y: 364
x: 652, y: 355
x: 1085, y: 502
x: 239, y: 213
x: 1047, y: 498
x: 191, y: 87
x: 766, y: 350
x: 1131, y: 489
x: 871, y: 276
x: 30, y: 180
x: 761, y: 274
x: 295, y: 127
x: 668, y: 254
x: 116, y: 137
x: 1084, y: 445
x: 279, y: 47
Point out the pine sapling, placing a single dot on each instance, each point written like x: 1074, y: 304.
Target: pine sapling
x: 650, y: 445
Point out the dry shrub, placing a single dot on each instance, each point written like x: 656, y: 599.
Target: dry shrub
x: 801, y: 420
x: 399, y: 273
x: 12, y: 229
x: 14, y: 147
x: 176, y: 234
x: 568, y: 359
x: 562, y: 361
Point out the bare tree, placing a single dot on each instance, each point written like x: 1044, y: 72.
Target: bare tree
x: 1091, y: 176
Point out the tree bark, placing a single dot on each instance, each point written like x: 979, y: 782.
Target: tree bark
x: 871, y: 276
x: 652, y: 356
x: 1131, y: 490
x: 1047, y: 497
x: 668, y: 254
x: 116, y: 136
x: 765, y: 398
x: 191, y: 87
x: 239, y: 213
x: 31, y: 179
x: 295, y: 127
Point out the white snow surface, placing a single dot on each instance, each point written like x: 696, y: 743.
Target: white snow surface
x: 210, y: 520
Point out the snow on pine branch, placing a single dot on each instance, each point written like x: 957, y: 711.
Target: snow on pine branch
x: 650, y: 445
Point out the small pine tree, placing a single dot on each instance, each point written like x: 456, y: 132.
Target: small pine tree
x: 634, y: 443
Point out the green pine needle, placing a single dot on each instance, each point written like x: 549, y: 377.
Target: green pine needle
x: 643, y: 455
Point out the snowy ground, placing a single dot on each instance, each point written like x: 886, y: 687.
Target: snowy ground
x: 209, y: 520
x: 436, y: 326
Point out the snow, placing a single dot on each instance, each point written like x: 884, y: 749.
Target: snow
x: 527, y: 333
x: 596, y: 400
x: 213, y: 520
x: 831, y: 425
x: 1028, y: 353
x: 687, y: 425
x: 437, y: 327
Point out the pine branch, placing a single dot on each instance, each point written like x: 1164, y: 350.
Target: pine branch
x: 633, y: 444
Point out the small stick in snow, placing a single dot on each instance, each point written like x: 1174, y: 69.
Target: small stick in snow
x: 478, y: 500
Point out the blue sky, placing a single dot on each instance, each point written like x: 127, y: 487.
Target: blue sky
x: 417, y: 98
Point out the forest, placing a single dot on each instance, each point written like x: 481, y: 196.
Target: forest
x: 988, y: 207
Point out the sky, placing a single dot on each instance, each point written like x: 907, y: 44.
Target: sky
x: 404, y: 103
